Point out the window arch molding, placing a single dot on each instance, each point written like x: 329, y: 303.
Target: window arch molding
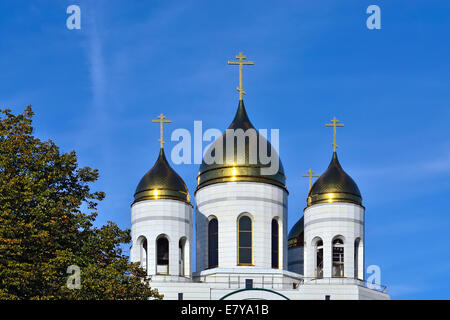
x: 315, y: 240
x: 248, y: 214
x: 163, y: 235
x: 211, y: 217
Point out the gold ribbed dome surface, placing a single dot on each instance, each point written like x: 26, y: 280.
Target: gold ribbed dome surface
x: 334, y: 185
x: 161, y: 182
x: 241, y: 169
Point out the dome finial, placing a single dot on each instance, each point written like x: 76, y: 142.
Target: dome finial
x: 334, y: 125
x: 241, y: 62
x: 161, y: 120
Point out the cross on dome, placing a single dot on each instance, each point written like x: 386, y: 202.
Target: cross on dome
x: 161, y: 120
x: 334, y: 124
x: 241, y: 62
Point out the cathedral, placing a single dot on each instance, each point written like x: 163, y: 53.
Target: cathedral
x: 243, y: 248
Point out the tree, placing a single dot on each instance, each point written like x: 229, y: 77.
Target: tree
x: 43, y: 228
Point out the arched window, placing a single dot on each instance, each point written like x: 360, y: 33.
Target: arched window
x: 213, y: 243
x: 245, y: 256
x: 319, y: 259
x: 181, y: 256
x: 162, y: 255
x: 356, y: 258
x: 275, y: 256
x: 143, y: 257
x: 338, y: 258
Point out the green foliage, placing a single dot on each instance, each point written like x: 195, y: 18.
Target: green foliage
x: 43, y: 229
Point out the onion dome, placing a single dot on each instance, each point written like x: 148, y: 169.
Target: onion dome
x: 161, y: 182
x: 244, y: 167
x: 295, y: 236
x: 334, y: 185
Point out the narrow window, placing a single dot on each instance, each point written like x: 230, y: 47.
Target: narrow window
x: 275, y: 256
x: 244, y: 241
x: 248, y: 283
x: 356, y: 257
x: 181, y: 246
x: 338, y: 258
x: 144, y: 255
x: 319, y: 259
x: 162, y: 255
x: 213, y: 243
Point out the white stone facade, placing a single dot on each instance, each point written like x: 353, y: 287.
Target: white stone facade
x: 262, y: 202
x: 346, y: 289
x: 151, y: 219
x: 227, y: 202
x: 327, y: 222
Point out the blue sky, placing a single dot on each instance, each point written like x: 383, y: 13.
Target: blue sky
x: 96, y: 90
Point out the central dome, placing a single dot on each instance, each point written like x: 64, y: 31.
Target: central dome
x: 242, y: 169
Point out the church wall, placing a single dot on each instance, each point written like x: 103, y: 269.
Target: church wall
x: 227, y: 201
x: 336, y: 292
x: 152, y: 218
x: 328, y: 220
x: 216, y: 291
x: 235, y: 278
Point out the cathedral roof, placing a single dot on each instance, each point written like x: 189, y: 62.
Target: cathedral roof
x: 295, y: 236
x: 242, y: 169
x: 161, y: 182
x: 334, y: 185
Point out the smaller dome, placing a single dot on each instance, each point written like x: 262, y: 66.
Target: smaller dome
x: 161, y: 182
x: 334, y: 185
x: 295, y: 236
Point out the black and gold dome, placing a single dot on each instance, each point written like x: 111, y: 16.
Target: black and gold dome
x: 296, y: 235
x: 242, y: 169
x: 161, y: 182
x: 334, y: 185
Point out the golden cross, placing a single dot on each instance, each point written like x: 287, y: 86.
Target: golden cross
x: 161, y: 120
x: 334, y: 125
x: 310, y: 174
x: 241, y: 62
